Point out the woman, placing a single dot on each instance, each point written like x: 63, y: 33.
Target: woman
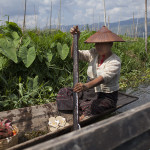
x: 101, y: 90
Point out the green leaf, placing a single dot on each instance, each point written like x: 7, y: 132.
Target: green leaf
x: 16, y: 43
x: 52, y: 45
x: 49, y: 56
x: 3, y: 62
x: 8, y: 49
x: 35, y: 82
x: 26, y: 41
x: 1, y: 35
x: 27, y: 55
x: 21, y: 89
x: 63, y: 50
x: 59, y: 48
x: 29, y: 83
x: 40, y: 57
x: 15, y: 36
x: 3, y: 79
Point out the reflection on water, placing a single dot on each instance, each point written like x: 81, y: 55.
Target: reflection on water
x: 143, y: 92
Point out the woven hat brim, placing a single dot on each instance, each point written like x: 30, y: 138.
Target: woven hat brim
x: 104, y: 35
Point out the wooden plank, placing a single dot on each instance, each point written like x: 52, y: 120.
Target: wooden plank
x: 107, y: 134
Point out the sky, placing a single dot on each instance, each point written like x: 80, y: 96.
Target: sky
x: 73, y: 12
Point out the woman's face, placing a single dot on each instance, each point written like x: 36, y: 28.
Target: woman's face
x: 103, y: 48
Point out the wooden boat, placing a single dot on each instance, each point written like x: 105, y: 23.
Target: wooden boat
x: 127, y: 131
x: 35, y: 118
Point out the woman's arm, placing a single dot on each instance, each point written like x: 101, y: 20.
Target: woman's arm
x: 82, y: 87
x: 104, y: 76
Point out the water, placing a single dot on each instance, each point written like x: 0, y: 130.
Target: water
x: 143, y: 92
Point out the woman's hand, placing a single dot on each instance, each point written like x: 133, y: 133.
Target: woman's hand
x: 75, y: 30
x: 80, y: 87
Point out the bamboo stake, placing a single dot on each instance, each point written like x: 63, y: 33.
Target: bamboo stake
x: 51, y: 17
x: 24, y: 21
x: 137, y: 28
x: 47, y: 23
x: 104, y: 13
x: 108, y: 22
x: 58, y: 21
x: 75, y: 81
x: 133, y: 26
x: 118, y: 28
x: 146, y: 26
x: 60, y: 16
x: 35, y: 17
x: 93, y: 19
x: 99, y: 23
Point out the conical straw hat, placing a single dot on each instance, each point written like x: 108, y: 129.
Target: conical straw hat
x: 104, y: 35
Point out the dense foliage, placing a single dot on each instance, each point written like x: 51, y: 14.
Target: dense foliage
x: 34, y: 65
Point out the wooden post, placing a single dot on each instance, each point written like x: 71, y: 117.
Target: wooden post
x: 104, y: 13
x: 118, y: 28
x: 99, y: 23
x: 137, y: 28
x: 35, y: 17
x: 93, y: 20
x: 60, y: 16
x: 24, y: 21
x: 51, y: 17
x: 8, y: 18
x: 133, y: 26
x: 75, y: 81
x: 108, y: 22
x: 146, y: 26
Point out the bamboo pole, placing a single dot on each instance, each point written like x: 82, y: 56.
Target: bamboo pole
x: 137, y: 28
x: 104, y: 13
x: 35, y: 14
x: 93, y: 20
x: 99, y: 23
x: 118, y: 28
x: 58, y: 20
x: 60, y: 16
x: 108, y: 22
x: 146, y: 26
x: 133, y: 26
x: 75, y: 81
x: 24, y: 21
x: 51, y: 17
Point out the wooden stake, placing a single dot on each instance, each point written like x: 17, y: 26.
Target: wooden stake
x: 93, y: 28
x: 137, y: 28
x: 104, y: 13
x: 24, y: 21
x: 118, y: 28
x: 99, y: 23
x: 60, y: 16
x: 146, y: 26
x: 51, y: 17
x: 108, y: 22
x: 75, y: 81
x: 133, y: 26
